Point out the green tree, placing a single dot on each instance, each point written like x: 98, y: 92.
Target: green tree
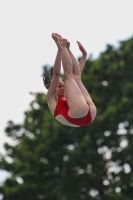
x: 55, y: 162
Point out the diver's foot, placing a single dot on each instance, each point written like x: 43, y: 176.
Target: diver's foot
x: 58, y: 35
x: 55, y: 37
x: 63, y: 42
x: 59, y: 45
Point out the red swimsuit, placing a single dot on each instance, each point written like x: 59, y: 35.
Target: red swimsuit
x: 62, y: 109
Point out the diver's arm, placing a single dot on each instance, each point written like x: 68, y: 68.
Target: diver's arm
x: 84, y: 55
x: 56, y: 74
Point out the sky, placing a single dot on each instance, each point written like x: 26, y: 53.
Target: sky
x: 26, y: 44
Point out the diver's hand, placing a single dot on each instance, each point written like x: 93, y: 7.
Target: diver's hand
x: 82, y: 49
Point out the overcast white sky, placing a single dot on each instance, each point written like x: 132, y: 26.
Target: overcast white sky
x: 26, y: 44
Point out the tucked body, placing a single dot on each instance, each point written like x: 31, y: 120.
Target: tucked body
x: 69, y: 101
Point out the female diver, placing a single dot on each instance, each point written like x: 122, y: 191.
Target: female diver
x: 69, y: 101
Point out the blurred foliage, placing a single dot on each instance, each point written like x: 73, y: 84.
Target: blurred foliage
x: 55, y: 162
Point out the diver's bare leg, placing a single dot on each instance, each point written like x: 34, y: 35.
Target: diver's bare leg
x: 77, y: 76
